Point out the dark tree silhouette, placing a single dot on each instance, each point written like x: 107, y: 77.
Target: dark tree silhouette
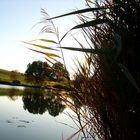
x: 59, y: 72
x: 37, y: 72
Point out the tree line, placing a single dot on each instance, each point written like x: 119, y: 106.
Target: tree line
x: 38, y: 72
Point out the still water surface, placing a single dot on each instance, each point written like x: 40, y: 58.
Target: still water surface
x: 29, y: 114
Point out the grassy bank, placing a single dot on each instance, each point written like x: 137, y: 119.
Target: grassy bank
x: 6, y: 78
x: 4, y: 75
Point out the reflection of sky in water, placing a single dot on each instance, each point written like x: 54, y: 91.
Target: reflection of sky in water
x: 18, y: 124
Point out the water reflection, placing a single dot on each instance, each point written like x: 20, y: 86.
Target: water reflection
x: 18, y: 124
x: 13, y: 94
x: 38, y: 101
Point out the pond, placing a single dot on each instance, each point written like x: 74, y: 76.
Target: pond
x: 33, y: 114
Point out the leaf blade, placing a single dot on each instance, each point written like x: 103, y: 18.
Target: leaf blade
x: 78, y: 12
x: 40, y: 46
x: 91, y: 23
x: 45, y: 53
x: 48, y: 40
x: 45, y: 40
x: 86, y: 50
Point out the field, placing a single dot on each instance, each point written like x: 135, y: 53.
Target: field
x: 7, y: 76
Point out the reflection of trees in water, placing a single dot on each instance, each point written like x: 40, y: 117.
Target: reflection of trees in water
x: 34, y: 101
x: 54, y: 105
x: 13, y: 94
x: 37, y: 101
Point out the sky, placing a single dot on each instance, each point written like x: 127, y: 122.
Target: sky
x: 18, y: 23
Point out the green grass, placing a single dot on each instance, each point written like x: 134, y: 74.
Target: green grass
x: 5, y: 76
x: 6, y: 79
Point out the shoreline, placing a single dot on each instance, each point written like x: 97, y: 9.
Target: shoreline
x: 20, y: 85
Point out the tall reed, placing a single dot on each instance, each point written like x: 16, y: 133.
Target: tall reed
x: 105, y: 92
x: 111, y: 95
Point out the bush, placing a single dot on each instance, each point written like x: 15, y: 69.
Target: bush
x: 16, y: 82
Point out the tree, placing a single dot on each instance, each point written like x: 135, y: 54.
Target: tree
x: 59, y: 72
x: 37, y: 72
x: 14, y: 76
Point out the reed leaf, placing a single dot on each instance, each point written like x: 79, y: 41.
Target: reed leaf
x: 45, y: 53
x: 91, y: 23
x: 48, y: 40
x: 88, y: 24
x: 79, y: 12
x: 86, y: 50
x: 45, y: 40
x: 41, y: 46
x: 70, y: 138
x: 89, y: 1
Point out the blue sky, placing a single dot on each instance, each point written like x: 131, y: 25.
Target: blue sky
x: 17, y: 20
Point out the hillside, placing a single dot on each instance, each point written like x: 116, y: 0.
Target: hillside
x: 8, y: 76
x: 4, y: 75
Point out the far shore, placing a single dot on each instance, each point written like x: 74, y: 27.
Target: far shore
x: 13, y: 84
x: 57, y: 86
